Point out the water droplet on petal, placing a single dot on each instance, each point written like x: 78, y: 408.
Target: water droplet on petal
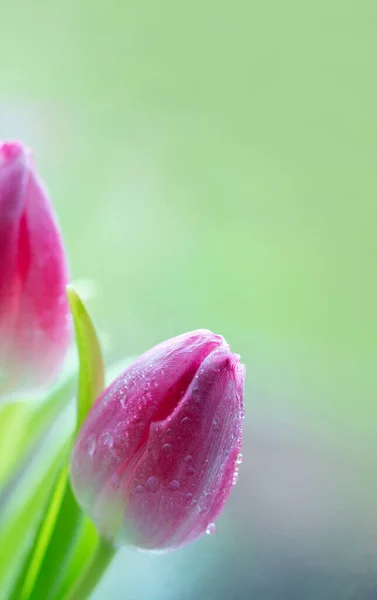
x: 174, y: 485
x: 235, y: 478
x: 107, y: 439
x: 152, y: 484
x: 122, y: 396
x: 139, y: 489
x: 169, y: 432
x: 91, y: 445
x: 211, y: 529
x: 188, y: 496
x: 186, y: 421
x: 239, y: 458
x: 166, y: 448
x: 188, y: 459
x: 190, y: 470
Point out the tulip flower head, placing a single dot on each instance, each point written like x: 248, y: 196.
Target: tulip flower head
x: 156, y: 457
x: 34, y: 322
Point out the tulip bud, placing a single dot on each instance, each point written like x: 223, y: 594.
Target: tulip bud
x: 156, y: 457
x: 34, y: 323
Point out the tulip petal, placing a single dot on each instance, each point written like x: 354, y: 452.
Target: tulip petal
x: 13, y: 182
x: 155, y: 459
x: 192, y: 458
x: 146, y: 391
x: 34, y: 325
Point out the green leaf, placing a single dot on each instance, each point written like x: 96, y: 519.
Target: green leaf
x: 91, y: 371
x: 21, y: 519
x: 13, y: 417
x: 93, y: 571
x: 55, y: 556
x: 23, y: 423
x: 84, y: 549
x: 33, y: 560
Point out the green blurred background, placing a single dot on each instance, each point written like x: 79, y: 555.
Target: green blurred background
x: 213, y: 164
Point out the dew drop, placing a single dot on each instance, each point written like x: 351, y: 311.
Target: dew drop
x: 188, y: 459
x: 185, y: 421
x: 169, y: 432
x: 139, y: 489
x: 188, y: 496
x: 174, y: 485
x: 166, y: 448
x: 239, y: 458
x: 152, y: 484
x: 107, y: 439
x: 91, y: 445
x: 235, y: 478
x: 190, y: 470
x: 122, y: 396
x: 211, y: 529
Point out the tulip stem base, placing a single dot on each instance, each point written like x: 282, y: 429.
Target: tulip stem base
x: 93, y: 572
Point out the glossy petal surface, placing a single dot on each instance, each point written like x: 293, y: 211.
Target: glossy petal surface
x: 154, y: 462
x: 34, y: 314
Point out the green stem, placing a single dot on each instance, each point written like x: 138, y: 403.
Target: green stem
x: 93, y: 572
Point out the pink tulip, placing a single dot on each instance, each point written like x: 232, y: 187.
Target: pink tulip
x: 34, y: 323
x: 157, y: 455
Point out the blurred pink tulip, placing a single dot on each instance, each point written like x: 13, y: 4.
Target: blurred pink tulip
x: 157, y: 455
x: 34, y: 322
